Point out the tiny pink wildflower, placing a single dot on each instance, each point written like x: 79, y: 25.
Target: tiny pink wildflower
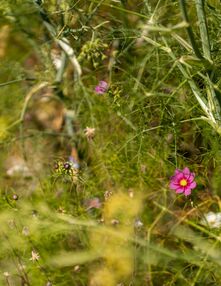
x: 93, y: 204
x: 183, y: 181
x: 102, y: 87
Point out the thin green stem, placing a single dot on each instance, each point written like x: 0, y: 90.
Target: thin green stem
x: 121, y: 9
x: 16, y: 81
x: 189, y: 29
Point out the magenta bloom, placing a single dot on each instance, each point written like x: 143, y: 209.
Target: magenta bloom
x: 93, y: 204
x: 101, y: 87
x: 183, y: 181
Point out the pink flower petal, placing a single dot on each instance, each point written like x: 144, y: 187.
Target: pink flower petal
x: 192, y: 185
x: 98, y: 89
x: 179, y: 190
x: 186, y: 171
x: 190, y: 178
x: 177, y: 171
x: 178, y: 177
x: 174, y: 185
x: 101, y: 87
x: 103, y: 84
x: 187, y: 192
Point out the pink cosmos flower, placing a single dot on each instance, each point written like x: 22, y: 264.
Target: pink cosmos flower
x: 183, y: 181
x: 101, y: 87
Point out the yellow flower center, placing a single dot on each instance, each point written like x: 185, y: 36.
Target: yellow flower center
x: 183, y: 182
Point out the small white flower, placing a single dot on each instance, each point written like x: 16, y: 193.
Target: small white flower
x: 138, y: 223
x: 212, y: 220
x: 76, y: 268
x: 89, y: 133
x: 56, y: 59
x: 6, y: 274
x: 34, y: 256
x: 107, y: 195
x: 131, y: 193
x: 115, y: 222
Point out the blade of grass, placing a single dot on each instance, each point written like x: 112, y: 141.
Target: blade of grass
x: 189, y: 29
x: 203, y: 29
x: 196, y: 91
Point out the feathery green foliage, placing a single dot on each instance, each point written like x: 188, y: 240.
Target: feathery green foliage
x: 85, y: 196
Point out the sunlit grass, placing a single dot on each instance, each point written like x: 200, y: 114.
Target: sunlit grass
x: 85, y: 196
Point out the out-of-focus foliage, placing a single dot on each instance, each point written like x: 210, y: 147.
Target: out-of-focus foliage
x: 84, y: 183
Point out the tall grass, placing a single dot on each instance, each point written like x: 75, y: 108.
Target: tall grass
x: 109, y: 217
